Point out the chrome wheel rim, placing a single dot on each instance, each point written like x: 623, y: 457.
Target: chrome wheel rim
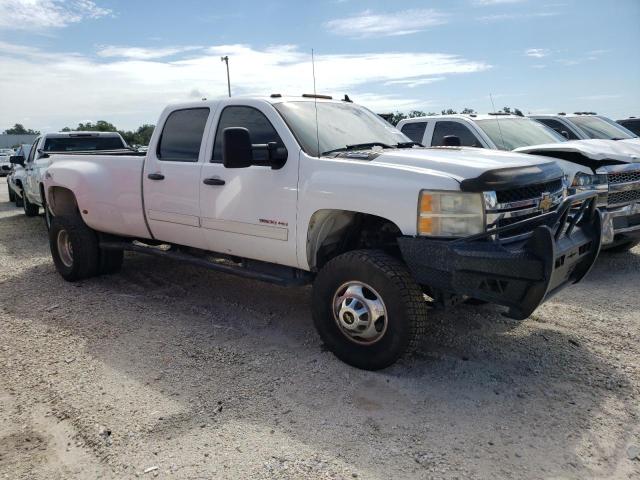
x: 360, y: 313
x: 65, y: 250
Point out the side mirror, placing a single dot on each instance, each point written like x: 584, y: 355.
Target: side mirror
x: 565, y: 134
x: 237, y: 151
x: 17, y: 160
x: 451, y: 141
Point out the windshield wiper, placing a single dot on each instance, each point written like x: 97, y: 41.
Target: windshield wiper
x: 357, y: 146
x: 408, y: 144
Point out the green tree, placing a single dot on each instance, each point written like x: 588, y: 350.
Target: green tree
x: 18, y: 129
x: 468, y: 111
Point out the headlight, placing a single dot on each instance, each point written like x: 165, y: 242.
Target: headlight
x: 450, y: 214
x: 585, y: 181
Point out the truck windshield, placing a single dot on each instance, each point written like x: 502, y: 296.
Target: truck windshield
x: 339, y: 125
x: 596, y: 127
x: 76, y: 144
x: 510, y: 133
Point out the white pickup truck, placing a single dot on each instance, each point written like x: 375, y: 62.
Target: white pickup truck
x: 610, y: 168
x: 41, y: 156
x: 295, y: 190
x: 584, y: 126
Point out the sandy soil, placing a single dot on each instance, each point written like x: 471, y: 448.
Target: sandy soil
x: 184, y: 373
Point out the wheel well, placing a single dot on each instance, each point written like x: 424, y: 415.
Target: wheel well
x: 333, y: 232
x: 62, y: 201
x: 19, y: 183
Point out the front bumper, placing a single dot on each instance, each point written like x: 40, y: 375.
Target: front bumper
x: 620, y: 221
x: 560, y: 250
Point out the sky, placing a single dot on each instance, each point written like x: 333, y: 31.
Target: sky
x: 65, y: 62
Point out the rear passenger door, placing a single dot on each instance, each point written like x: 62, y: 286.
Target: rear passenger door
x: 444, y: 128
x: 415, y: 131
x: 171, y: 178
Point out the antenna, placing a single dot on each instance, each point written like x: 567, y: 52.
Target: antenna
x: 493, y: 107
x: 315, y: 99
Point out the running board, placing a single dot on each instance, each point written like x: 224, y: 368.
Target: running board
x: 266, y: 272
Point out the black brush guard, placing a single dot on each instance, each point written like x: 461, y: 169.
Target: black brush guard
x: 560, y: 249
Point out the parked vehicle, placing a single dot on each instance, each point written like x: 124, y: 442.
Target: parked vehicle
x: 17, y: 177
x: 40, y: 157
x: 632, y: 124
x: 298, y: 190
x: 604, y: 166
x: 5, y: 164
x: 584, y: 126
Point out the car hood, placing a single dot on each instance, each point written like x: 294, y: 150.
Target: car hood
x: 459, y: 163
x: 595, y: 152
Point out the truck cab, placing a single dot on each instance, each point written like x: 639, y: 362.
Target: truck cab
x: 610, y: 168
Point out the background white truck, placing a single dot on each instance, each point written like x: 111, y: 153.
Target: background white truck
x: 584, y: 126
x: 610, y: 168
x: 40, y: 157
x: 298, y: 190
x: 18, y: 174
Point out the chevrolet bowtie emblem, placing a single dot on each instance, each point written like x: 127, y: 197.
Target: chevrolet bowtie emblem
x: 545, y: 202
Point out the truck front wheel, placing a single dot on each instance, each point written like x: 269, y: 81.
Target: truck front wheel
x: 30, y: 209
x: 74, y: 248
x: 12, y: 196
x: 368, y: 309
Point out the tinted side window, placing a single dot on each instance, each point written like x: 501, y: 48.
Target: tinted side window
x: 558, y: 127
x: 414, y: 130
x: 632, y: 124
x: 182, y: 135
x: 259, y: 126
x: 33, y: 150
x: 444, y: 128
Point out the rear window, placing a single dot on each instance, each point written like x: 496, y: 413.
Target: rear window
x: 76, y: 144
x: 182, y: 135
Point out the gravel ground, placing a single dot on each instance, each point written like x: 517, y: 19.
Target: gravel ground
x: 171, y: 371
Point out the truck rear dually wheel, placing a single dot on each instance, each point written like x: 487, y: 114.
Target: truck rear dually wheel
x: 74, y: 248
x: 368, y: 309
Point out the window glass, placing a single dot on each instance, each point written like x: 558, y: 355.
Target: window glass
x: 510, y: 133
x: 445, y: 128
x: 558, y: 127
x: 78, y: 144
x: 414, y: 130
x: 632, y: 124
x: 182, y: 135
x: 33, y: 150
x: 596, y: 127
x: 259, y: 126
x: 333, y: 125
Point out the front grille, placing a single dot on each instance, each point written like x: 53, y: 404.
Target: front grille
x: 503, y: 222
x: 623, y: 197
x: 528, y: 192
x: 624, y: 177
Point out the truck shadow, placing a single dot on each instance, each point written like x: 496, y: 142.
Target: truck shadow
x: 237, y: 354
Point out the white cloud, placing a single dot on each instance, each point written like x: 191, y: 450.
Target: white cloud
x: 43, y: 14
x: 415, y: 82
x: 484, y: 3
x: 129, y: 91
x: 537, y: 52
x: 143, y: 53
x: 368, y: 23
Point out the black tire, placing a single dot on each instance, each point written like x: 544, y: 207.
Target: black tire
x: 406, y: 308
x: 30, y: 209
x: 12, y: 195
x: 84, y: 259
x: 622, y: 247
x: 19, y: 201
x: 110, y: 261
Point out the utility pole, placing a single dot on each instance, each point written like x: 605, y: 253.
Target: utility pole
x: 225, y: 59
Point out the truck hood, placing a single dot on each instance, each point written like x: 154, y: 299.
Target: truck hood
x: 591, y: 153
x: 459, y: 163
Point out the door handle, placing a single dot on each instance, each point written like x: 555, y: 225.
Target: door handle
x: 213, y: 181
x: 155, y: 176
